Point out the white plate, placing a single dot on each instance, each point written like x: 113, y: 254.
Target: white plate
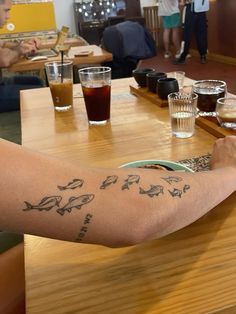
x: 173, y: 165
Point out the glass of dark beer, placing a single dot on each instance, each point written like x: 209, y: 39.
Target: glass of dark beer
x: 208, y: 92
x: 96, y: 87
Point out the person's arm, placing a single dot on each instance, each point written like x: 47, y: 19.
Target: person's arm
x: 11, y: 52
x: 114, y: 207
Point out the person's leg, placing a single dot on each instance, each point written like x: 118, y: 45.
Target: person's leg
x: 166, y: 41
x: 166, y: 34
x: 26, y: 80
x: 201, y: 35
x: 10, y: 91
x: 175, y: 24
x: 175, y: 39
x: 187, y: 33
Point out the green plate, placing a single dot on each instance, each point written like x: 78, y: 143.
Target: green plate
x: 173, y: 165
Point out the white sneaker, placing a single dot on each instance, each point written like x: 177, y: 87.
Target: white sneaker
x: 167, y: 55
x: 178, y: 54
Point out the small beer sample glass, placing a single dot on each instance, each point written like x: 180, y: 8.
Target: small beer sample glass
x: 226, y: 112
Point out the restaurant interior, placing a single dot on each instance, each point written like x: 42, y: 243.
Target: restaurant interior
x: 90, y: 19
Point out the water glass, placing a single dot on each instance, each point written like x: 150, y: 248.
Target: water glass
x: 179, y: 76
x: 182, y: 109
x: 226, y: 112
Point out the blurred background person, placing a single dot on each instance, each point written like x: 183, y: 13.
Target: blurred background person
x: 194, y: 21
x: 170, y: 13
x: 11, y: 52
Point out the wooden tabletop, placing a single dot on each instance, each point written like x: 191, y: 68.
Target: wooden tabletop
x: 191, y: 271
x: 72, y: 41
x: 78, y: 55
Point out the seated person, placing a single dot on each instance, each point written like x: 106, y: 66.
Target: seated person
x: 11, y: 52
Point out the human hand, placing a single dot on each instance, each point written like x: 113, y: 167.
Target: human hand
x: 35, y: 41
x: 27, y: 48
x: 224, y: 153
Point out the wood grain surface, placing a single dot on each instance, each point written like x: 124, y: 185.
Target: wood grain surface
x: 97, y: 56
x: 145, y: 93
x: 191, y: 271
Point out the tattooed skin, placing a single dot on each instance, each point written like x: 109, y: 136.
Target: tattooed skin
x: 185, y: 188
x: 154, y: 190
x: 109, y: 180
x: 176, y: 193
x: 84, y: 229
x: 46, y: 203
x: 75, y: 202
x: 76, y: 183
x: 171, y: 180
x: 130, y: 180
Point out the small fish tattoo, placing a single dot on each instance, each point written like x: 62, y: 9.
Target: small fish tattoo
x: 155, y: 190
x: 130, y: 180
x: 176, y: 193
x: 76, y: 183
x: 109, y: 180
x: 185, y: 188
x: 46, y: 203
x: 75, y: 202
x: 171, y: 180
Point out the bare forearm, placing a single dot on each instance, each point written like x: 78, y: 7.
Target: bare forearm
x: 11, y: 52
x: 9, y: 56
x: 49, y: 197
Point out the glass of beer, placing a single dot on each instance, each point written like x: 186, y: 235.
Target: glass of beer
x: 60, y: 80
x: 96, y: 86
x: 208, y: 92
x: 226, y: 112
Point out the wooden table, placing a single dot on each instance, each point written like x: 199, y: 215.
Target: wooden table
x: 97, y: 56
x: 191, y: 271
x: 71, y: 41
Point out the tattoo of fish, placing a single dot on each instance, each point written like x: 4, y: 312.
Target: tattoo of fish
x: 75, y: 202
x: 130, y: 180
x: 46, y: 203
x: 76, y: 183
x: 171, y: 179
x: 155, y: 190
x: 176, y: 193
x: 186, y: 188
x: 109, y: 180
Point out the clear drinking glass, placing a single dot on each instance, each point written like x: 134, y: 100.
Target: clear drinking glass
x: 226, y: 112
x: 179, y: 76
x: 182, y: 109
x: 96, y: 86
x: 208, y: 92
x: 60, y: 80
